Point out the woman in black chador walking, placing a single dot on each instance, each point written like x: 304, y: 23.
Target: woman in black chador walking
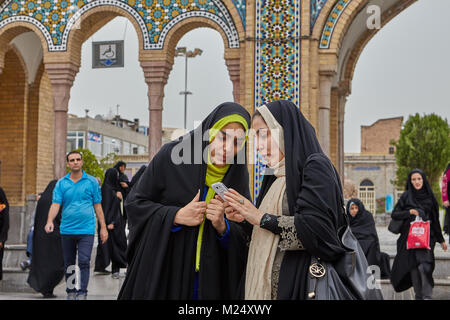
x: 414, y: 267
x: 114, y: 249
x: 47, y: 265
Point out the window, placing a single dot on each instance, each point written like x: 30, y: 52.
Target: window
x: 366, y: 193
x: 75, y: 140
x: 111, y: 145
x: 126, y: 148
x: 391, y: 150
x: 94, y: 143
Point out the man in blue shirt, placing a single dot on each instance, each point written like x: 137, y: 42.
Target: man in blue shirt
x: 80, y: 197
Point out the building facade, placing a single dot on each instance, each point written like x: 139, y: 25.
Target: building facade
x: 372, y: 171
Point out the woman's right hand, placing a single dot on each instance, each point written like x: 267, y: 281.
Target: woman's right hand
x: 414, y: 212
x: 232, y: 214
x: 191, y: 214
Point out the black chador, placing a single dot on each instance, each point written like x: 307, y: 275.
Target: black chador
x: 364, y: 229
x: 114, y: 249
x: 162, y: 262
x: 406, y: 260
x: 47, y: 263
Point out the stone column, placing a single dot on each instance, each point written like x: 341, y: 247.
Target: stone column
x: 324, y: 111
x: 344, y: 91
x: 156, y: 74
x: 61, y: 77
x: 234, y: 69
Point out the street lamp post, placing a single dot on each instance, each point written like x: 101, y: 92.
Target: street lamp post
x: 182, y: 52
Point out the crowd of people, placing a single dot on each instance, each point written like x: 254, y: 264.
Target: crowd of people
x: 186, y: 241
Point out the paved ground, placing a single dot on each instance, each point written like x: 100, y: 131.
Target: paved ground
x: 103, y: 287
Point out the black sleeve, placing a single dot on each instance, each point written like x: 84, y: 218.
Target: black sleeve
x: 401, y: 212
x: 4, y: 224
x: 317, y: 213
x: 270, y: 222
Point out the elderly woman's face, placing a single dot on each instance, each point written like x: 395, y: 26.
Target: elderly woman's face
x: 265, y: 144
x: 354, y: 210
x: 417, y: 181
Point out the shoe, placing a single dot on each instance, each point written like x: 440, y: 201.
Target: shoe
x: 102, y: 272
x: 82, y: 296
x: 115, y: 275
x: 48, y: 295
x: 72, y: 296
x: 24, y: 265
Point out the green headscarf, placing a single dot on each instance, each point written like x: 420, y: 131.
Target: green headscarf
x: 214, y: 173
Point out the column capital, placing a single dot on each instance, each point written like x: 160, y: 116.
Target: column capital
x: 234, y: 69
x: 61, y: 73
x: 156, y: 71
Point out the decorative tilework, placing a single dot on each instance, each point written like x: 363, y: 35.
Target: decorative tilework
x: 277, y: 58
x: 240, y: 6
x: 277, y: 51
x: 55, y: 18
x: 316, y: 7
x: 331, y: 23
x: 258, y: 175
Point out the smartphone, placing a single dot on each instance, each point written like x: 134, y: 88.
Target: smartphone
x: 220, y: 189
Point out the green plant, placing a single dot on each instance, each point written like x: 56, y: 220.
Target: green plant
x: 425, y: 144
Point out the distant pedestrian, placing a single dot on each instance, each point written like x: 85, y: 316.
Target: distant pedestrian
x: 124, y: 184
x: 47, y: 262
x: 445, y: 198
x: 114, y: 249
x: 4, y: 226
x: 29, y: 252
x: 414, y: 267
x: 79, y: 195
x: 363, y: 227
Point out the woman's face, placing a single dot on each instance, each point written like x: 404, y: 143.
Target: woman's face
x: 354, y: 210
x: 417, y: 181
x: 265, y: 144
x: 226, y: 144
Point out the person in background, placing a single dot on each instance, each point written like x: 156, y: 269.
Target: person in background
x: 415, y: 267
x: 363, y: 227
x: 124, y: 184
x: 26, y: 263
x: 4, y: 226
x: 445, y: 198
x: 79, y: 196
x: 113, y: 251
x: 47, y: 265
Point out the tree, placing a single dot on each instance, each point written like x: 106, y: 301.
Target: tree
x: 90, y: 164
x: 425, y: 144
x: 108, y: 161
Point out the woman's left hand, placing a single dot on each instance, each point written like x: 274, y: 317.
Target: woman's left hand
x: 215, y: 213
x: 444, y: 246
x: 244, y: 207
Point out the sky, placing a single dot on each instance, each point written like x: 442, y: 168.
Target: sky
x: 404, y: 69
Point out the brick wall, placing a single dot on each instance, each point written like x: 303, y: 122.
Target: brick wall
x: 44, y: 163
x: 13, y: 102
x: 375, y: 139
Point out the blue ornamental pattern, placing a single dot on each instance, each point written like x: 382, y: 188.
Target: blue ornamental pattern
x: 55, y: 18
x: 240, y: 6
x: 316, y: 8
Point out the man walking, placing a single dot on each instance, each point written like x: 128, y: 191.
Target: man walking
x: 79, y: 195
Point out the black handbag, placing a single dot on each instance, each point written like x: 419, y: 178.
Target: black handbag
x: 395, y: 226
x: 348, y: 277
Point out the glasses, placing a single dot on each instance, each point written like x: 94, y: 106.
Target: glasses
x: 75, y: 159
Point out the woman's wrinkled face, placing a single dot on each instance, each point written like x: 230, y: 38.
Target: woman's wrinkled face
x: 417, y: 181
x: 226, y: 144
x: 265, y: 144
x: 354, y: 210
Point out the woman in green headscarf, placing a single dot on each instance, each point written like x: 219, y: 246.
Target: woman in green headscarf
x: 181, y: 245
